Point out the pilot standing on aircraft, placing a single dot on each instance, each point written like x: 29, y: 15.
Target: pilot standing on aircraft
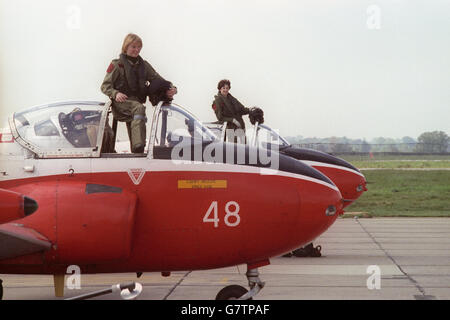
x: 126, y: 82
x: 229, y: 109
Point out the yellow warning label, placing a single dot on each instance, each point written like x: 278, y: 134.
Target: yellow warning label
x: 202, y: 184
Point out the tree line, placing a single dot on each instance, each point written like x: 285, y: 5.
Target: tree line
x: 427, y: 142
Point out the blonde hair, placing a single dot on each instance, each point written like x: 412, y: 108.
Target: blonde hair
x: 129, y: 39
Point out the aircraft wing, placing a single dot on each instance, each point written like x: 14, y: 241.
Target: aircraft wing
x: 17, y: 240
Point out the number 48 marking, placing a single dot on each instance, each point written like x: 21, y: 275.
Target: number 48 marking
x: 213, y: 209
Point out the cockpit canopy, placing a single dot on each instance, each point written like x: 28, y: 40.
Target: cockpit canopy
x: 176, y: 125
x: 266, y: 136
x: 75, y: 129
x: 260, y: 136
x: 61, y: 129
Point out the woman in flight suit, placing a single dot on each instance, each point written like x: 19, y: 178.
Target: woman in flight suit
x: 126, y: 84
x: 229, y: 109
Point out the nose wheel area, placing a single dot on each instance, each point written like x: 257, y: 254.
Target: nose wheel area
x: 232, y: 292
x: 236, y: 292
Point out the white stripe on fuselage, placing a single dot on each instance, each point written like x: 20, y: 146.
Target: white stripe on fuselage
x: 50, y: 167
x: 328, y: 165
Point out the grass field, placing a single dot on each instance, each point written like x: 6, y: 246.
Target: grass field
x: 403, y: 157
x: 388, y: 161
x: 405, y: 193
x: 403, y: 164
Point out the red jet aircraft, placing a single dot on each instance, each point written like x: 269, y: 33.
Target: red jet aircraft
x: 350, y: 181
x: 189, y: 202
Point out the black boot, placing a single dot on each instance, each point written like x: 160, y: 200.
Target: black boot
x: 139, y: 148
x: 287, y: 255
x: 303, y: 252
x: 315, y: 252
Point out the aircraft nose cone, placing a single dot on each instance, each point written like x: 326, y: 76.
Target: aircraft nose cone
x: 320, y: 207
x: 29, y: 205
x: 365, y: 185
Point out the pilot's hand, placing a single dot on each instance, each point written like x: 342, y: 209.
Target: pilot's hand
x: 237, y: 123
x: 121, y: 97
x: 171, y: 92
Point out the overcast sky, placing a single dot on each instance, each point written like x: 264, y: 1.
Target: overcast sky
x: 318, y: 68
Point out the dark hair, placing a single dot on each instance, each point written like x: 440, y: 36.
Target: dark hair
x: 223, y: 83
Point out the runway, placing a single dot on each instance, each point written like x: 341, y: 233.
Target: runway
x: 413, y: 256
